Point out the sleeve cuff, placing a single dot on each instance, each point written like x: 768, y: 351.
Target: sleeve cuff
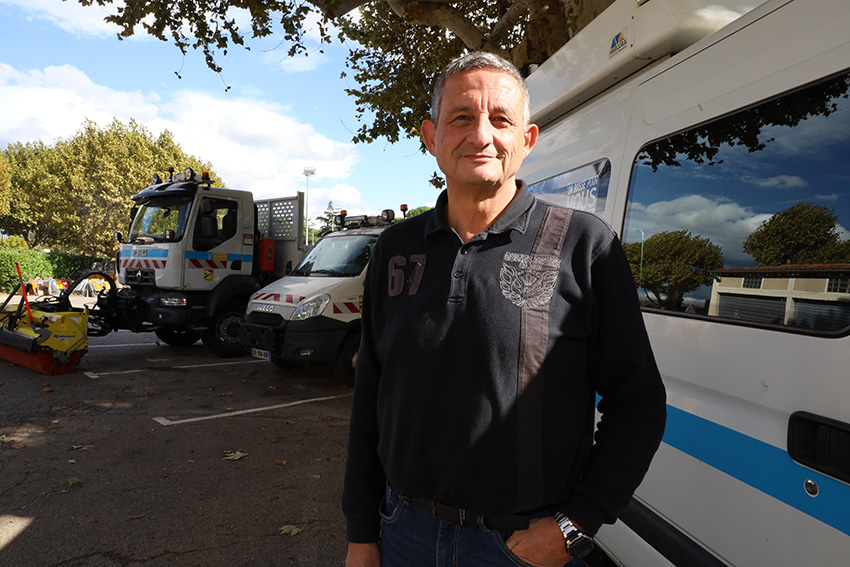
x: 363, y: 531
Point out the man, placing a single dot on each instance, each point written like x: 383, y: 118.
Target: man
x: 490, y: 326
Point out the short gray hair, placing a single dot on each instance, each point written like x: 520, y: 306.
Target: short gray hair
x: 480, y: 60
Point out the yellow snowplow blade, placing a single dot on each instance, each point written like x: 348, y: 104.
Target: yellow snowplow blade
x: 50, y: 343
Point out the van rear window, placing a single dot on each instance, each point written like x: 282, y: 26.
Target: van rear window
x: 746, y: 218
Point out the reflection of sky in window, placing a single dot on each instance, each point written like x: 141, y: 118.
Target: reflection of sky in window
x: 726, y: 202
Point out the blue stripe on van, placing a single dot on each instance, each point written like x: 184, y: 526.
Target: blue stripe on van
x: 193, y: 255
x: 760, y: 465
x: 149, y: 253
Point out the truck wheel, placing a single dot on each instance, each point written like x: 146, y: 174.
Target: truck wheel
x: 346, y: 361
x: 176, y: 336
x: 222, y: 333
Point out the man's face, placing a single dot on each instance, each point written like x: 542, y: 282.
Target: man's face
x: 479, y: 139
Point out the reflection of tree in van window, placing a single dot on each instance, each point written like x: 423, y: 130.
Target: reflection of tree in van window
x: 803, y: 234
x: 769, y: 185
x: 701, y: 145
x: 670, y: 264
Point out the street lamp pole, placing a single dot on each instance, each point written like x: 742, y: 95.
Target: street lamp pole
x: 308, y: 171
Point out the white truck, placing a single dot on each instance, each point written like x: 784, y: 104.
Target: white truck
x: 311, y: 317
x: 193, y: 257
x: 712, y: 126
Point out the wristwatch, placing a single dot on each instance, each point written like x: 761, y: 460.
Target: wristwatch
x: 578, y: 544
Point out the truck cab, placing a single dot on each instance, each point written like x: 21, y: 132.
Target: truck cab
x: 188, y: 262
x: 311, y: 317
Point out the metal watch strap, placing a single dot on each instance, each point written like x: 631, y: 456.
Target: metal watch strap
x: 577, y: 543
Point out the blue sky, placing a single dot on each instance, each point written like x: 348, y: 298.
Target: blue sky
x: 60, y: 64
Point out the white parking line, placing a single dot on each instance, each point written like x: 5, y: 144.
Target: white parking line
x: 94, y: 376
x: 167, y: 422
x: 124, y: 345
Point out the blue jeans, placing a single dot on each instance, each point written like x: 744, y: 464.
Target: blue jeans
x: 412, y: 537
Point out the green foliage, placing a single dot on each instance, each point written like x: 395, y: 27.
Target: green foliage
x: 802, y: 234
x: 14, y: 241
x: 36, y: 264
x: 5, y: 185
x: 72, y: 196
x: 33, y: 264
x: 399, y: 46
x: 669, y: 264
x: 418, y: 211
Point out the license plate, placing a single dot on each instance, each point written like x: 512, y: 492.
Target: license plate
x: 261, y: 353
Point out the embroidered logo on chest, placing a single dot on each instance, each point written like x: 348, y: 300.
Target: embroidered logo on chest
x: 528, y: 280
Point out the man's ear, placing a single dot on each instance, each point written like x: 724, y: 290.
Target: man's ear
x: 429, y: 134
x: 531, y: 134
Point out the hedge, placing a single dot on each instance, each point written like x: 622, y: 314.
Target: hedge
x: 39, y: 264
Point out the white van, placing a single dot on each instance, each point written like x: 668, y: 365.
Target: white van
x: 311, y: 316
x: 714, y: 136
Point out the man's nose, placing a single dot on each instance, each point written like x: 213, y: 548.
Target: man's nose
x: 481, y: 132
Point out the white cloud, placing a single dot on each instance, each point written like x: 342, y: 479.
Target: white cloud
x: 70, y: 16
x: 53, y: 103
x: 723, y: 222
x: 253, y: 144
x: 777, y: 181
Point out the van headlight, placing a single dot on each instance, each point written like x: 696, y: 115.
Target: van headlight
x: 311, y: 307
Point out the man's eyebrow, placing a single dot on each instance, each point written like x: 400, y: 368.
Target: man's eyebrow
x: 497, y: 110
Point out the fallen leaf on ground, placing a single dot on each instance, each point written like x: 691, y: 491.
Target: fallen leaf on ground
x: 279, y: 462
x: 234, y: 455
x: 74, y: 481
x: 290, y: 530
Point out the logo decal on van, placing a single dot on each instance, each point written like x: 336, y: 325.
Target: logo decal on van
x: 618, y: 44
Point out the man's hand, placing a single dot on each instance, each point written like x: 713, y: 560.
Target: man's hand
x: 541, y: 545
x: 364, y: 555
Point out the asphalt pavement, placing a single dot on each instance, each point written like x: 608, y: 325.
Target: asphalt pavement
x: 151, y: 455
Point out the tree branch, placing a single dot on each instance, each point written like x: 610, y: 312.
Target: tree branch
x: 442, y: 15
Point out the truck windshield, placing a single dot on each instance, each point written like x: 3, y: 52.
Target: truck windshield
x: 337, y: 256
x: 158, y: 216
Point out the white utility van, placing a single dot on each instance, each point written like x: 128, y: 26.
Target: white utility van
x: 311, y: 316
x: 714, y: 136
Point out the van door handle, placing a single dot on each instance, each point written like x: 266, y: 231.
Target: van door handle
x: 820, y: 443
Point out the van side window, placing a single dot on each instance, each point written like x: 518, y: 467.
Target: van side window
x: 746, y: 218
x: 584, y: 188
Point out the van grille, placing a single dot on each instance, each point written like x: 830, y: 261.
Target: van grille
x: 265, y: 319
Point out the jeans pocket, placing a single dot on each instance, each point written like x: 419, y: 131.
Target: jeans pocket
x: 501, y: 538
x: 391, y: 505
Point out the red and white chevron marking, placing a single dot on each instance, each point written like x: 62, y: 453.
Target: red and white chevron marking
x: 346, y: 307
x: 209, y: 264
x: 142, y: 263
x: 288, y: 298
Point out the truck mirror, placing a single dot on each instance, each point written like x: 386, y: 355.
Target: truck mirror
x: 119, y: 237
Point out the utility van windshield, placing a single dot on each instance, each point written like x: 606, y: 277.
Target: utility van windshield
x: 159, y: 215
x: 339, y: 256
